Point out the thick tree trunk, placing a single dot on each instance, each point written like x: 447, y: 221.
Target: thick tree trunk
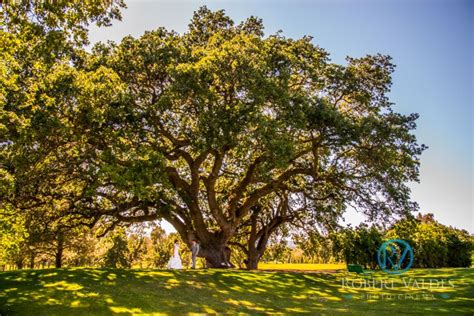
x: 19, y: 264
x: 256, y: 244
x: 253, y: 257
x: 59, y: 251
x: 59, y: 258
x: 32, y: 261
x: 216, y: 255
x: 258, y: 239
x: 212, y: 246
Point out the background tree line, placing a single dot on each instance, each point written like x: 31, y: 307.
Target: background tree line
x: 434, y: 244
x: 149, y: 246
x: 139, y: 246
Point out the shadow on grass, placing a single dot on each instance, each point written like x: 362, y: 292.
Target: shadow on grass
x: 108, y: 291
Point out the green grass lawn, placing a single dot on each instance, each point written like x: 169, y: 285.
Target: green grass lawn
x: 302, y: 266
x: 81, y: 291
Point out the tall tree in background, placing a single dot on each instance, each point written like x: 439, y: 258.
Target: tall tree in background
x: 42, y: 42
x: 118, y: 256
x: 41, y: 45
x: 205, y: 129
x: 12, y: 235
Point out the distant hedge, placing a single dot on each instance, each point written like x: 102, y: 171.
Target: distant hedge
x: 434, y: 245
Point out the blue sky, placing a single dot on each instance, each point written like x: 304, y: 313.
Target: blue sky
x: 431, y: 42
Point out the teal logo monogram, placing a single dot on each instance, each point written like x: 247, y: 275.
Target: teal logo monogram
x: 395, y: 256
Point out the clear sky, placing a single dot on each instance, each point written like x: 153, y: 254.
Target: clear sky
x: 431, y: 42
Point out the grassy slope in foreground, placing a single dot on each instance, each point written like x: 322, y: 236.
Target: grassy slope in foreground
x: 302, y: 266
x: 108, y: 291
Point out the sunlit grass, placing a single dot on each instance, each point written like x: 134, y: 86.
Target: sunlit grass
x: 139, y: 291
x: 301, y: 266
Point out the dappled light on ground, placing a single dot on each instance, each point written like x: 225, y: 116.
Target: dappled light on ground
x: 128, y: 292
x: 319, y: 267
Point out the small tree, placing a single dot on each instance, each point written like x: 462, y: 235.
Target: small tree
x: 161, y: 246
x: 358, y: 245
x: 12, y: 237
x: 434, y: 245
x: 117, y: 256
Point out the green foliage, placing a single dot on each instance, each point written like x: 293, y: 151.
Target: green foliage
x: 42, y: 93
x: 162, y: 247
x: 198, y: 129
x: 58, y: 21
x: 358, y: 245
x: 460, y: 248
x: 12, y: 235
x: 434, y: 245
x: 277, y: 251
x: 316, y: 247
x: 117, y: 256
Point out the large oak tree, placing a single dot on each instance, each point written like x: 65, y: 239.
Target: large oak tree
x: 210, y: 128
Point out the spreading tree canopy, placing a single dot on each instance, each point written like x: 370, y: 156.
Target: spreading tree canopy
x: 221, y: 131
